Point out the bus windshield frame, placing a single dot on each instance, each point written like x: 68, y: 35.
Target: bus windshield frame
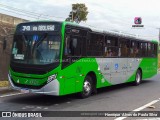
x: 36, y: 48
x: 47, y: 38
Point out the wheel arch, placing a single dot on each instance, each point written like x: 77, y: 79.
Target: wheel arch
x: 92, y: 74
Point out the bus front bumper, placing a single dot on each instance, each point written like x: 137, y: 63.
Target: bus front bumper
x: 51, y: 88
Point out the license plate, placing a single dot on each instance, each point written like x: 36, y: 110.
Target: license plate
x: 24, y: 91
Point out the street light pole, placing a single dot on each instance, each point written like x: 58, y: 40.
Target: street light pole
x: 159, y: 39
x: 73, y: 11
x: 72, y: 14
x: 159, y: 34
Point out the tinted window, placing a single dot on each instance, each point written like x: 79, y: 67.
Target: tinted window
x: 111, y: 46
x: 95, y: 45
x: 153, y: 50
x: 73, y: 46
x: 135, y: 50
x: 123, y: 47
x: 144, y: 47
x: 149, y: 50
x: 36, y: 49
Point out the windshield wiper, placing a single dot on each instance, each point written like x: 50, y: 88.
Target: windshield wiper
x: 24, y: 39
x: 36, y: 44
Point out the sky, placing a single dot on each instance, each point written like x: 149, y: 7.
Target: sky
x: 115, y: 15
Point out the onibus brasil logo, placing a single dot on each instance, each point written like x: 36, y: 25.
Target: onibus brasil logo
x: 137, y: 22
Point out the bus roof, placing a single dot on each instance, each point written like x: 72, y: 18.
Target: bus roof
x: 111, y: 33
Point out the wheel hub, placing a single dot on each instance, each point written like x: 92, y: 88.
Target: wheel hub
x: 87, y: 87
x: 138, y: 78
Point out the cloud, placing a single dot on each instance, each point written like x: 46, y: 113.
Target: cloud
x: 103, y: 14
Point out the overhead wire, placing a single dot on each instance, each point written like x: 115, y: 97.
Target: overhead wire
x: 29, y: 12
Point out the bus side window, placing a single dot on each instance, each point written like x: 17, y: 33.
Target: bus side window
x: 111, y: 46
x: 138, y: 50
x: 144, y: 49
x: 77, y: 46
x: 123, y: 47
x: 73, y: 46
x: 154, y: 50
x: 149, y: 50
x: 67, y: 45
x: 95, y: 44
x: 134, y: 49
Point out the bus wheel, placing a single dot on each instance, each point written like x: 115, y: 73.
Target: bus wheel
x: 87, y: 87
x: 138, y: 78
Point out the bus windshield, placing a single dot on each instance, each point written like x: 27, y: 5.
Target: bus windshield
x: 37, y: 49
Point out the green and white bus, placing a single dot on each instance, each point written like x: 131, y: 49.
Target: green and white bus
x: 60, y: 58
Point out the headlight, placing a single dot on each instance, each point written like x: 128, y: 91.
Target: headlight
x: 52, y: 77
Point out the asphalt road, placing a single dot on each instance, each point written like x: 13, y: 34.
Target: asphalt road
x: 123, y: 97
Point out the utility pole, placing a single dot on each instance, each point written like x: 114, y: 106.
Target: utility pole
x: 159, y: 34
x: 159, y: 39
x: 72, y: 15
x: 73, y: 12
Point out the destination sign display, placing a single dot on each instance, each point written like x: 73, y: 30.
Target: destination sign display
x: 38, y: 27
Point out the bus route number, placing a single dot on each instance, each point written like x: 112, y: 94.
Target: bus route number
x: 26, y: 28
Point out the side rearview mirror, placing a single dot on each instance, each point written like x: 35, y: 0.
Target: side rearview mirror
x: 4, y: 44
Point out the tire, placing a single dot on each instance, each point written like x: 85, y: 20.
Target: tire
x: 87, y: 87
x: 138, y: 78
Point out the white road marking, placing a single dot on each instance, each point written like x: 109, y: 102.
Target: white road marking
x: 140, y: 108
x: 39, y: 107
x: 10, y: 95
x: 29, y: 106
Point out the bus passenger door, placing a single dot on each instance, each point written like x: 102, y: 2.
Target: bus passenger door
x: 70, y: 67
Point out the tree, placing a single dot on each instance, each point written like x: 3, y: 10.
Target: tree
x: 79, y: 13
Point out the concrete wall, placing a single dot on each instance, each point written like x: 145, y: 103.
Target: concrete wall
x: 7, y: 26
x: 10, y: 19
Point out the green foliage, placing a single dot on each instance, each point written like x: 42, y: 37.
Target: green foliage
x: 79, y: 13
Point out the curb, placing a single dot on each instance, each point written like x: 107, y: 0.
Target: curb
x: 4, y: 88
